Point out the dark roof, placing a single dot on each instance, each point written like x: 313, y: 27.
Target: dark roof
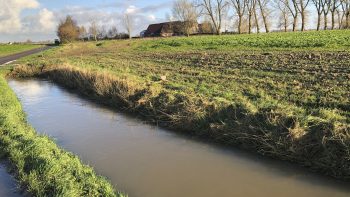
x: 157, y: 29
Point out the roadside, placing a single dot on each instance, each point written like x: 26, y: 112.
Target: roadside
x: 9, y: 59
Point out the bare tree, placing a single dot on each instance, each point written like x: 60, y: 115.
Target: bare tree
x: 187, y: 13
x: 284, y: 15
x: 128, y: 24
x: 345, y: 5
x: 256, y: 18
x: 319, y: 9
x: 251, y: 9
x: 93, y: 30
x: 333, y: 8
x: 82, y: 32
x: 292, y: 6
x: 215, y: 10
x: 240, y: 9
x: 112, y: 32
x: 263, y: 5
x: 302, y: 5
x: 326, y: 9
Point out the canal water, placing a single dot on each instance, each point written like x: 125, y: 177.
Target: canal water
x: 8, y: 185
x: 147, y: 161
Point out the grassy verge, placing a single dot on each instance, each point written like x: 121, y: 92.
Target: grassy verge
x: 291, y: 103
x: 16, y: 48
x: 41, y: 167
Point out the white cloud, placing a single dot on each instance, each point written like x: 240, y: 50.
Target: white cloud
x: 46, y: 20
x: 131, y: 10
x: 10, y: 19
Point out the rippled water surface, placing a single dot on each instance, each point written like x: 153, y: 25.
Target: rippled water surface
x: 146, y: 161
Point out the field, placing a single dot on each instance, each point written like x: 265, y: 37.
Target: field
x: 16, y: 48
x: 283, y: 95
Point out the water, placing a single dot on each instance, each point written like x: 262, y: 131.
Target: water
x: 8, y: 186
x: 147, y: 161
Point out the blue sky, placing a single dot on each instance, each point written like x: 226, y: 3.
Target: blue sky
x: 37, y: 19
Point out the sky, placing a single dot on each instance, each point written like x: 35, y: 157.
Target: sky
x: 37, y: 20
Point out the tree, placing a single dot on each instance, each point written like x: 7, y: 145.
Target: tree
x: 112, y: 32
x: 93, y: 30
x: 284, y: 15
x: 240, y: 9
x: 82, y: 32
x: 301, y: 6
x: 319, y: 9
x: 251, y: 9
x: 128, y: 24
x: 263, y: 5
x: 326, y: 9
x: 292, y: 6
x: 68, y: 30
x: 334, y: 7
x: 345, y: 5
x: 215, y: 10
x: 186, y: 12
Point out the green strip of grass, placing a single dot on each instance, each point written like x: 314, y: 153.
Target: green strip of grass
x: 17, y: 48
x: 41, y: 167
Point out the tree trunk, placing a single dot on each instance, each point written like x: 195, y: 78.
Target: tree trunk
x: 325, y: 21
x: 303, y: 21
x: 250, y: 24
x: 240, y: 24
x: 295, y: 23
x: 318, y: 22
x: 256, y: 22
x: 285, y: 23
x: 333, y: 20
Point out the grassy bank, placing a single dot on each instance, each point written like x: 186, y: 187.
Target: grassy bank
x: 16, y: 48
x: 289, y: 102
x: 41, y: 167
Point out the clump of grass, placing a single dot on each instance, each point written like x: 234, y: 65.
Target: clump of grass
x: 41, y: 167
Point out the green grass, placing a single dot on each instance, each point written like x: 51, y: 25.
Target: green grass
x: 285, y: 95
x: 331, y: 40
x: 41, y: 167
x: 16, y: 48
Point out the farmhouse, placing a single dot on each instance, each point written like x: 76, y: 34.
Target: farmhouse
x: 168, y: 29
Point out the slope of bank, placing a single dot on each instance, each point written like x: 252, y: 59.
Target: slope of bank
x: 289, y: 102
x: 41, y: 167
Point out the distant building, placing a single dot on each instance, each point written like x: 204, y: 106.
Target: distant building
x: 167, y: 29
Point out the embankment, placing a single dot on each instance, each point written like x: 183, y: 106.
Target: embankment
x: 277, y: 131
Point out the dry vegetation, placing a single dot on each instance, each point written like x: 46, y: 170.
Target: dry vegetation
x: 286, y: 103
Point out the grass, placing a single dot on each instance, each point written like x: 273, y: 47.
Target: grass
x: 41, y: 167
x: 16, y: 48
x: 283, y: 95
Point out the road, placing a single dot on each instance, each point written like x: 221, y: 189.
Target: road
x: 10, y: 58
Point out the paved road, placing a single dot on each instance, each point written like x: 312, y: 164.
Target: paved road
x: 10, y: 58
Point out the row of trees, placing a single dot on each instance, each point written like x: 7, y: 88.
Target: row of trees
x: 68, y: 30
x: 250, y: 15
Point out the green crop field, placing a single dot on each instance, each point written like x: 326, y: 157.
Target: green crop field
x: 284, y: 95
x: 16, y: 48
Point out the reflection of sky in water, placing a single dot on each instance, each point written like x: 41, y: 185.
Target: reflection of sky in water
x: 8, y: 186
x: 146, y: 161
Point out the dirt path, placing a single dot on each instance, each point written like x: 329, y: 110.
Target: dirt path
x: 11, y: 58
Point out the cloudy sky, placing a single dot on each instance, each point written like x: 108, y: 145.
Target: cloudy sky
x: 37, y: 19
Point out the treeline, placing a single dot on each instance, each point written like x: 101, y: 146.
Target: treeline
x: 250, y: 16
x: 68, y: 30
